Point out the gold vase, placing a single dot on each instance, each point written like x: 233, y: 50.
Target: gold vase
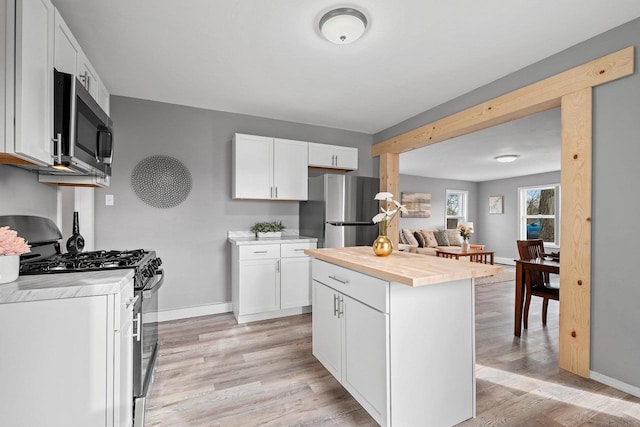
x: 382, y: 246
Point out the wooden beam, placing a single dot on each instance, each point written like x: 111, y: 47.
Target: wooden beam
x: 537, y: 97
x: 390, y: 181
x: 571, y: 90
x: 575, y: 229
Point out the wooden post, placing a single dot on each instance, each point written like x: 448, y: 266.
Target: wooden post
x: 390, y: 181
x: 575, y: 229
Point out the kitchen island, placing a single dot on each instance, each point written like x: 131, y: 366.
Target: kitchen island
x: 398, y: 332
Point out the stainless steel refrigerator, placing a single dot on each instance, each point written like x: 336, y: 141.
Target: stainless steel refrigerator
x: 339, y: 210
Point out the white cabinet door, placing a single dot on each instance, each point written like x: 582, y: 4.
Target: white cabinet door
x: 66, y: 48
x: 252, y: 167
x: 123, y: 364
x: 53, y: 362
x: 326, y: 328
x: 365, y: 352
x: 333, y: 156
x: 268, y: 168
x: 258, y: 286
x: 290, y: 171
x: 295, y: 282
x: 346, y: 158
x: 34, y: 80
x: 87, y: 75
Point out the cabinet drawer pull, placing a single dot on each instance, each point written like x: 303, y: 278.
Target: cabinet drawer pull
x: 259, y: 252
x: 338, y: 279
x: 298, y: 250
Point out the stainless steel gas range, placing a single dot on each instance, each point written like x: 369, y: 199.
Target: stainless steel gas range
x: 46, y: 258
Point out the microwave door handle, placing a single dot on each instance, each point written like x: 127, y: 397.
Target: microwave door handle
x: 98, y: 154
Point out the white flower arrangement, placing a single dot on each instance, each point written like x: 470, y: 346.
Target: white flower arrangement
x: 465, y: 231
x: 11, y: 244
x: 387, y: 215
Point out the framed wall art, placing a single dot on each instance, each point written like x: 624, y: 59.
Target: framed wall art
x: 418, y: 205
x: 496, y: 204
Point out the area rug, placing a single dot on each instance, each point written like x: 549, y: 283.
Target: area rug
x: 509, y: 274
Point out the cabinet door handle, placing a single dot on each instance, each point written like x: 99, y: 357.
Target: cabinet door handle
x: 137, y: 334
x: 335, y: 304
x: 338, y: 279
x: 336, y: 160
x: 340, y: 307
x: 278, y: 266
x: 276, y: 192
x: 271, y: 196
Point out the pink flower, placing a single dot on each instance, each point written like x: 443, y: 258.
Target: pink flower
x: 11, y: 244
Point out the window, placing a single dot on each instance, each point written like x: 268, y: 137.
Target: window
x: 540, y: 213
x: 456, y: 207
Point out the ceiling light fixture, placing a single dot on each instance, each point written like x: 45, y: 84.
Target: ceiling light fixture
x: 343, y: 25
x: 506, y: 158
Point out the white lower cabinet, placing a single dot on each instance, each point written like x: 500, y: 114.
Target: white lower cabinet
x: 270, y: 280
x: 406, y: 354
x: 350, y: 339
x: 67, y: 362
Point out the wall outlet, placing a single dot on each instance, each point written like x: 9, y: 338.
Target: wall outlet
x: 108, y: 200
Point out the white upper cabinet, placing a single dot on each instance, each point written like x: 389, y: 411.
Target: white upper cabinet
x: 29, y: 78
x: 333, y: 156
x: 35, y: 39
x: 269, y: 168
x: 91, y: 81
x: 66, y: 47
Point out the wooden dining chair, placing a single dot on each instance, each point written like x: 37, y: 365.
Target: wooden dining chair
x: 537, y: 283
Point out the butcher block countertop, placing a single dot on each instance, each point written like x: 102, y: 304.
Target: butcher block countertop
x: 404, y: 267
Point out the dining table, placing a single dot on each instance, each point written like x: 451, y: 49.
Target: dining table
x: 542, y: 264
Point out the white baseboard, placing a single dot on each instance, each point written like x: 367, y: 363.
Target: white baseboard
x: 201, y: 310
x: 612, y: 382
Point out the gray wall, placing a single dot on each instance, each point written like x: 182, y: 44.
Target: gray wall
x: 437, y: 188
x: 615, y: 336
x: 191, y: 238
x: 22, y: 194
x: 500, y: 231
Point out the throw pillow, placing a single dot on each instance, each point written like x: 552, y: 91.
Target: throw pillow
x: 403, y: 239
x: 411, y: 240
x: 429, y: 238
x: 455, y: 239
x: 420, y: 238
x: 441, y: 237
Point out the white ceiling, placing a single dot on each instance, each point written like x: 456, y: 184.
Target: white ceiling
x: 267, y: 57
x: 536, y: 139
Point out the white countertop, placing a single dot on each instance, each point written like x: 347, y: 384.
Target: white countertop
x: 253, y: 240
x: 64, y: 285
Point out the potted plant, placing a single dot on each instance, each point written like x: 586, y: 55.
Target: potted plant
x: 268, y: 229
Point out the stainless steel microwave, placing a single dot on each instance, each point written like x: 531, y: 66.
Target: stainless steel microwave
x: 83, y: 142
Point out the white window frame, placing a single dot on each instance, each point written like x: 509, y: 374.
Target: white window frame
x: 523, y: 217
x: 462, y: 218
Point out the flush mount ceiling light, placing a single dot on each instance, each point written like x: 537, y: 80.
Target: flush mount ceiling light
x: 506, y: 158
x: 343, y: 26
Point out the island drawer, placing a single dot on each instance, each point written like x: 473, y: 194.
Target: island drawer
x: 289, y: 250
x: 369, y: 290
x: 259, y: 251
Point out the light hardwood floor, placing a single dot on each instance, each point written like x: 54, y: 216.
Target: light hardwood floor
x: 213, y: 372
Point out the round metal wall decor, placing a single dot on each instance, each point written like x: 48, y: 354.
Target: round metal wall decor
x: 161, y: 181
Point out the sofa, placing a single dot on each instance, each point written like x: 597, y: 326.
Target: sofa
x: 429, y: 241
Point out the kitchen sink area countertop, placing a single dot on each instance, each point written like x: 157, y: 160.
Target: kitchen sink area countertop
x: 404, y: 267
x: 251, y: 239
x: 56, y: 286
